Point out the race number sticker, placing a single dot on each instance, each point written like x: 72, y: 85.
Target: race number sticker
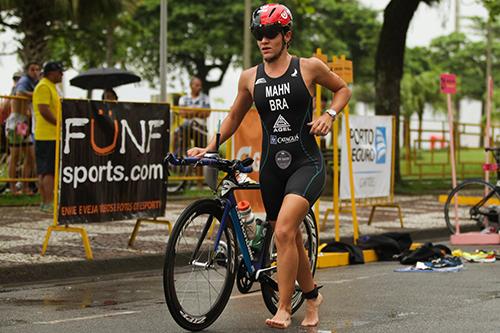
x: 283, y: 159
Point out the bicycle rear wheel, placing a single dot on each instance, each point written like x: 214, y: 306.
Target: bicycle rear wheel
x: 198, y: 280
x: 474, y: 201
x: 310, y: 238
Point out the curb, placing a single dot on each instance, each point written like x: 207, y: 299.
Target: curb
x: 65, y: 270
x: 38, y: 273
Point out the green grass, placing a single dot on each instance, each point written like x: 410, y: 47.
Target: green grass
x: 191, y: 193
x: 7, y: 199
x: 423, y: 187
x: 436, y: 164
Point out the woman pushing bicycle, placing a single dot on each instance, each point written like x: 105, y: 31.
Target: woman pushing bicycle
x: 292, y: 172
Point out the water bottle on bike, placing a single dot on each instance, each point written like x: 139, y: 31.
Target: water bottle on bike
x: 260, y: 233
x: 254, y: 227
x: 247, y: 218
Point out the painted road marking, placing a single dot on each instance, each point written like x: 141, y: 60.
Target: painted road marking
x: 114, y: 314
x: 255, y: 293
x: 363, y: 277
x: 353, y: 279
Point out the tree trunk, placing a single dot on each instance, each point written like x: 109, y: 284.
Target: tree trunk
x: 389, y: 63
x: 407, y: 143
x: 110, y: 44
x: 420, y: 128
x: 482, y: 123
x: 406, y: 130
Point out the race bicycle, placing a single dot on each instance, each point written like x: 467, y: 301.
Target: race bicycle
x: 208, y: 249
x: 478, y: 201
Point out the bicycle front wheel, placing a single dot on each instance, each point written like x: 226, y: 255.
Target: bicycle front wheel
x: 197, y: 279
x: 474, y: 200
x: 310, y: 239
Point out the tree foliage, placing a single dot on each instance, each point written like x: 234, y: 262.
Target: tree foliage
x: 99, y: 41
x: 457, y: 54
x: 37, y: 23
x: 493, y: 8
x: 338, y: 27
x: 204, y: 38
x: 420, y: 84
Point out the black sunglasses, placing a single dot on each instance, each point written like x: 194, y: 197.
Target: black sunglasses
x: 268, y: 31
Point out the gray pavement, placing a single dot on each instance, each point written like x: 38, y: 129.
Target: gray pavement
x: 360, y: 298
x: 22, y: 231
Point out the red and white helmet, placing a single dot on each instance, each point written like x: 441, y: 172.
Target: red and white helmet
x: 272, y: 14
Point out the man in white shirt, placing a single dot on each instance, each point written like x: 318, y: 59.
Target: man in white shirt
x: 194, y: 126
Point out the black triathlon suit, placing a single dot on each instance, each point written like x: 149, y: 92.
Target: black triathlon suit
x: 291, y: 159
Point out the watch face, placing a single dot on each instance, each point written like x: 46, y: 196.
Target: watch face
x: 331, y: 112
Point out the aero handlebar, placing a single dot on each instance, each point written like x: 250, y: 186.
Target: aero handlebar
x: 213, y: 161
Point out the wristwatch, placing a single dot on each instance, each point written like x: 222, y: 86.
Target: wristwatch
x: 332, y: 113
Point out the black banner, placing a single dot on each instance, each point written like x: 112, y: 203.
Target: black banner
x: 111, y: 161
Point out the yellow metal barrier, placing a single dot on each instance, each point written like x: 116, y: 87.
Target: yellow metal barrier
x: 81, y: 231
x: 469, y: 201
x: 138, y: 225
x: 55, y: 226
x: 426, y: 154
x: 343, y: 67
x: 189, y: 131
x: 344, y: 206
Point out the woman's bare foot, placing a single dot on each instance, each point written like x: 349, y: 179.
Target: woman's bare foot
x: 282, y: 319
x: 312, y: 309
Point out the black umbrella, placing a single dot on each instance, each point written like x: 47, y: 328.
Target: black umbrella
x: 103, y: 78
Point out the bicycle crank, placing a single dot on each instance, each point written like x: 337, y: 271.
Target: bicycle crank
x: 244, y: 281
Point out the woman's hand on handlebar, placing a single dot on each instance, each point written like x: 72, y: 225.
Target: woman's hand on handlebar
x: 197, y: 152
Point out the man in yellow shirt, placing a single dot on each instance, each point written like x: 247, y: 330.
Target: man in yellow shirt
x: 47, y: 104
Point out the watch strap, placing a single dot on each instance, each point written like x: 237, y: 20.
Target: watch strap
x: 331, y: 112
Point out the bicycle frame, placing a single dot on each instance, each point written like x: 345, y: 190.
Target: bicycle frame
x: 227, y: 187
x: 229, y: 202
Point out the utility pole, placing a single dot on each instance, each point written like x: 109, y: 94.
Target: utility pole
x: 489, y: 42
x: 457, y: 30
x: 163, y: 51
x: 246, y: 35
x: 489, y: 55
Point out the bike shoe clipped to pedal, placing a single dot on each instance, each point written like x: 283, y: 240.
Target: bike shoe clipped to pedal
x: 244, y: 281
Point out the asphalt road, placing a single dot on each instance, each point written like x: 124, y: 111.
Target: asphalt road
x: 362, y: 298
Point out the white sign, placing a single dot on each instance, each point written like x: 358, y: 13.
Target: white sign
x: 371, y: 147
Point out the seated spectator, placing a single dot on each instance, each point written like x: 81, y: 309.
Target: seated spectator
x: 192, y: 132
x: 109, y: 95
